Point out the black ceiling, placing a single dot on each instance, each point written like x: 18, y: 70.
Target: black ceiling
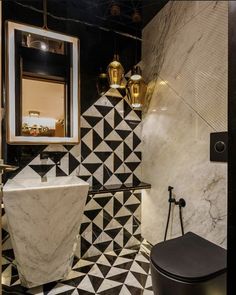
x: 98, y: 12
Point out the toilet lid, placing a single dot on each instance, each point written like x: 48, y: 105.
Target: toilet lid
x: 189, y: 258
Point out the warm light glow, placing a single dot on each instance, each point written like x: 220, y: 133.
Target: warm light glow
x: 43, y: 46
x: 136, y: 74
x: 163, y: 82
x: 136, y: 92
x: 115, y: 73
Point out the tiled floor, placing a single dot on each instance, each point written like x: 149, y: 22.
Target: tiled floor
x: 122, y: 272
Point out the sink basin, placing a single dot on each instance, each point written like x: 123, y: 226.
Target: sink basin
x: 44, y: 219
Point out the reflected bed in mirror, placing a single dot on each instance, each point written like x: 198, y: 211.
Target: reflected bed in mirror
x: 42, y: 86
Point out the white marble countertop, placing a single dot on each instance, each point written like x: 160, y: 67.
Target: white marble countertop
x: 36, y: 183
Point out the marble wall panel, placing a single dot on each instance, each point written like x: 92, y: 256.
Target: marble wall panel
x: 187, y: 100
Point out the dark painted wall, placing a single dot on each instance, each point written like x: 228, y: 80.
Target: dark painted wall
x: 97, y: 47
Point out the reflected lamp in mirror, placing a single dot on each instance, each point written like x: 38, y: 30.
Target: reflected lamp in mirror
x: 42, y: 86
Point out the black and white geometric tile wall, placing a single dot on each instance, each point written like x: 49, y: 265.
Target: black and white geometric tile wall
x: 109, y: 151
x: 110, y: 222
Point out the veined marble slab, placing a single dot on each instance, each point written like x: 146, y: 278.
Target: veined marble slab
x: 185, y: 62
x: 44, y: 220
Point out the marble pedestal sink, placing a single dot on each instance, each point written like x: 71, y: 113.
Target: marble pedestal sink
x: 44, y: 219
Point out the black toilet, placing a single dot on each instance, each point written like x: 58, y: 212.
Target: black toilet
x: 188, y: 265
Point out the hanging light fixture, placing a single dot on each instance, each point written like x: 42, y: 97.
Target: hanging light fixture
x: 136, y: 86
x: 136, y: 73
x: 102, y: 83
x: 136, y: 92
x: 115, y: 72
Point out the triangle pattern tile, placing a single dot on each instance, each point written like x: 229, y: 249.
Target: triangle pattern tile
x: 92, y: 121
x: 113, y: 92
x: 114, y: 136
x: 123, y: 176
x: 84, y: 123
x: 99, y: 128
x: 103, y: 147
x: 107, y: 218
x: 95, y: 272
x: 103, y: 110
x: 64, y: 163
x: 113, y: 232
x: 131, y: 115
x: 103, y: 156
x: 96, y: 139
x: 88, y: 139
x: 132, y: 166
x: 127, y: 151
x: 60, y: 172
x: 127, y: 110
x: 113, y: 100
x: 85, y: 151
x: 106, y: 173
x: 104, y: 269
x: 117, y: 119
x: 132, y: 281
x: 113, y: 144
x: 132, y: 124
x: 132, y: 158
x: 110, y: 118
x: 102, y: 201
x: 92, y: 167
x: 86, y: 285
x: 109, y: 287
x: 73, y: 163
x: 102, y: 246
x: 136, y: 141
x: 84, y: 132
x: 119, y: 152
x: 92, y: 158
x: 98, y: 176
x: 123, y: 219
x: 107, y: 128
x: 132, y: 208
x: 123, y: 133
x: 103, y: 101
x: 121, y: 124
x: 113, y: 180
x: 120, y: 108
x: 41, y: 170
x: 92, y: 111
x: 117, y: 162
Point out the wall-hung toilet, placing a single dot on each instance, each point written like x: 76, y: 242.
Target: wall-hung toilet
x: 188, y: 265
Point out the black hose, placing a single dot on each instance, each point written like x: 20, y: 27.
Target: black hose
x: 168, y: 220
x: 181, y: 220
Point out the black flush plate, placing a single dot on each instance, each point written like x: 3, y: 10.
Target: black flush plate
x: 219, y: 147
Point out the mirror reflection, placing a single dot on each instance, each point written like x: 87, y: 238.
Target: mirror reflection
x: 40, y: 117
x: 43, y: 86
x: 43, y: 82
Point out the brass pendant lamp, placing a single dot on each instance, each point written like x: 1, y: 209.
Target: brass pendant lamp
x: 136, y: 86
x: 136, y: 92
x: 115, y: 72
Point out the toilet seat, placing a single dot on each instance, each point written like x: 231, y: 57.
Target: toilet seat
x: 189, y: 258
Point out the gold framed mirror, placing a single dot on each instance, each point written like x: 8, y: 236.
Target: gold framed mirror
x: 42, y: 79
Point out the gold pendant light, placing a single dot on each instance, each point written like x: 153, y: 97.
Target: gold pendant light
x: 115, y: 72
x: 136, y: 92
